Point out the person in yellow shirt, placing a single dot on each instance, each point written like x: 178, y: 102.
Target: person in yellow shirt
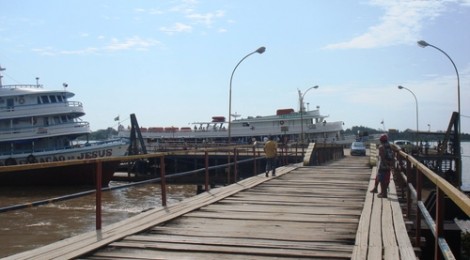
x: 270, y: 149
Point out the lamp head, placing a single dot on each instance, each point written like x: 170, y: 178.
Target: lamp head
x: 400, y: 87
x: 423, y: 44
x: 260, y: 50
x: 315, y: 87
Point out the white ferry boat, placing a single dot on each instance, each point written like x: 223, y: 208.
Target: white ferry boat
x: 38, y: 125
x: 287, y: 125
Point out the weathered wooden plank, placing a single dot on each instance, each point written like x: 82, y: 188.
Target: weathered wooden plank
x: 289, y: 233
x: 275, y: 252
x: 375, y: 230
x: 405, y: 247
x: 362, y: 235
x: 239, y: 241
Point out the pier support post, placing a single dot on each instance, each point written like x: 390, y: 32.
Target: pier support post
x: 98, y: 170
x: 163, y: 180
x: 206, y: 163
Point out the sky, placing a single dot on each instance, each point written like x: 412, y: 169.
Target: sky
x: 170, y: 62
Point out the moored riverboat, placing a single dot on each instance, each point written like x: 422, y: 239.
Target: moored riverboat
x: 286, y: 124
x: 39, y: 125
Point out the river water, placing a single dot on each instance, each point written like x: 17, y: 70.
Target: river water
x: 25, y: 229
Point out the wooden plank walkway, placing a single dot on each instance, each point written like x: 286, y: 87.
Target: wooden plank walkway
x: 304, y: 212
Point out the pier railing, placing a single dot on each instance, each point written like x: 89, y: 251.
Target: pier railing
x: 233, y: 154
x: 412, y: 175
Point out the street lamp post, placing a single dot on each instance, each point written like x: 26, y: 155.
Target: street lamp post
x: 260, y: 50
x: 301, y: 101
x: 425, y: 44
x: 459, y: 155
x: 417, y: 120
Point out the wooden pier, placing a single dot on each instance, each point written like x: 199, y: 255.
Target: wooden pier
x: 312, y: 212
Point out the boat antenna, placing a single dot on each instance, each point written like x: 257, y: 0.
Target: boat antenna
x: 1, y: 69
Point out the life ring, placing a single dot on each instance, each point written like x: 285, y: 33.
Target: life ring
x: 31, y: 159
x: 10, y: 161
x: 21, y: 100
x: 281, y: 122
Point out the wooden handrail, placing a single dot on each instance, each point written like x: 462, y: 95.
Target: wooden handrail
x: 443, y: 188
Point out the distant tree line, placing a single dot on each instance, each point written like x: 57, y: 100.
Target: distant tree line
x: 394, y: 134
x: 102, y: 134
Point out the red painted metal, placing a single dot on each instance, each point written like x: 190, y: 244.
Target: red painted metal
x: 235, y: 167
x: 163, y: 180
x: 99, y: 169
x: 206, y: 163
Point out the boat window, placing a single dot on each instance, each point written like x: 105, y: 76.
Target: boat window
x: 45, y: 99
x: 39, y: 100
x: 60, y: 98
x: 10, y: 104
x: 53, y: 99
x: 64, y: 119
x: 56, y: 120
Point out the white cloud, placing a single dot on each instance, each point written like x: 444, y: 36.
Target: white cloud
x: 176, y: 28
x: 207, y: 18
x: 401, y: 23
x: 133, y: 43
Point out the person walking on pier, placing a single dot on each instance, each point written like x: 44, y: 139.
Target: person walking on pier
x: 270, y: 149
x: 386, y: 163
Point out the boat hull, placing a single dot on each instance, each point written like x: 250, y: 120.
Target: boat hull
x: 82, y: 174
x: 38, y: 173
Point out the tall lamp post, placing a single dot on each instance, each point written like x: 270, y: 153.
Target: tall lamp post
x: 417, y: 120
x: 459, y: 155
x: 301, y: 101
x: 260, y: 50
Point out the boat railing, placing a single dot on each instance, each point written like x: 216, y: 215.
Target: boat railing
x: 89, y: 145
x: 39, y: 109
x: 14, y: 86
x: 37, y: 131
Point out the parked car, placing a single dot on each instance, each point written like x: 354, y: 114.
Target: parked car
x: 405, y: 145
x: 358, y: 148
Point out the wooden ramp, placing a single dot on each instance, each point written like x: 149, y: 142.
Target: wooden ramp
x: 304, y: 212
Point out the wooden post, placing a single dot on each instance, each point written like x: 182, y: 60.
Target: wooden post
x: 98, y: 171
x: 163, y: 180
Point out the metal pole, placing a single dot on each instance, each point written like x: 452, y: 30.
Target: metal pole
x: 260, y: 50
x: 301, y: 100
x: 459, y: 154
x: 163, y: 180
x: 416, y: 102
